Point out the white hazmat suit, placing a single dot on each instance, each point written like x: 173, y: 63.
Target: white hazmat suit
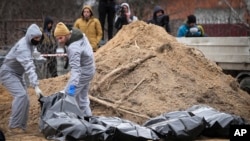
x: 82, y: 68
x: 19, y: 61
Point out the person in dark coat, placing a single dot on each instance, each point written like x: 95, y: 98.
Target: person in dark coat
x: 125, y: 16
x: 160, y: 18
x: 106, y: 8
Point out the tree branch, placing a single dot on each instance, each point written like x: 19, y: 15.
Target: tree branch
x: 121, y: 109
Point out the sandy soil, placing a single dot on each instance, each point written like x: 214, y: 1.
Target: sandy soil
x: 141, y: 73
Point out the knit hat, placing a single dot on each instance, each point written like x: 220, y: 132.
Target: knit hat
x: 61, y: 30
x: 191, y: 19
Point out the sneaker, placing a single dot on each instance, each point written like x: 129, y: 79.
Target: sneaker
x: 16, y: 130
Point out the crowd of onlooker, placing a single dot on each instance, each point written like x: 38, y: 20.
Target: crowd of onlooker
x: 112, y: 15
x: 121, y: 14
x: 111, y: 18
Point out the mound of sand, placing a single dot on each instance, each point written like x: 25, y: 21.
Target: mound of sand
x: 157, y: 74
x: 144, y: 72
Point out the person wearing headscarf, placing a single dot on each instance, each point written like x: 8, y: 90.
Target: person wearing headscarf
x: 160, y: 18
x: 125, y: 17
x: 90, y: 26
x: 18, y: 63
x: 81, y: 62
x: 190, y: 28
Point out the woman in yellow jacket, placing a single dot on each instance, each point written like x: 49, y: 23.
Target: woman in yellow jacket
x: 90, y: 26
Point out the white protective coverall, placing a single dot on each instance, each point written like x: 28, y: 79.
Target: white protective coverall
x: 82, y: 68
x: 19, y: 61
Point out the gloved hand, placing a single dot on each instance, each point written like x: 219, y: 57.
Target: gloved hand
x: 36, y: 54
x: 72, y: 90
x: 62, y: 91
x: 38, y: 92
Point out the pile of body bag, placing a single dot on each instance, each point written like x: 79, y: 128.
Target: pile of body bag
x: 61, y: 119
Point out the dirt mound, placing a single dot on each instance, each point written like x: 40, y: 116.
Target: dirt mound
x: 144, y: 72
x: 171, y: 75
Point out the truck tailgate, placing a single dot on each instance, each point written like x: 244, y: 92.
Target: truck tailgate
x: 230, y: 53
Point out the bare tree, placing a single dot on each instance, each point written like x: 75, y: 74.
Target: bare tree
x: 35, y: 9
x: 236, y: 14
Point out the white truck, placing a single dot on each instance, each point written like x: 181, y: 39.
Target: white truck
x: 232, y: 54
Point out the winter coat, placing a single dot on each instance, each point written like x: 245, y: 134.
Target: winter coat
x: 48, y: 42
x: 19, y: 60
x: 185, y: 31
x: 48, y: 45
x: 91, y: 28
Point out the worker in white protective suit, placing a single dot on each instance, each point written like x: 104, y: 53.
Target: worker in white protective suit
x: 17, y: 63
x: 81, y: 62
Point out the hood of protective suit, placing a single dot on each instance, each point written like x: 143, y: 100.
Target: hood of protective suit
x: 32, y: 31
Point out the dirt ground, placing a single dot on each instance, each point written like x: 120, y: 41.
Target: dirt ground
x: 141, y: 73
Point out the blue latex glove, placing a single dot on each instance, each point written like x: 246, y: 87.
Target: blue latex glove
x: 72, y: 90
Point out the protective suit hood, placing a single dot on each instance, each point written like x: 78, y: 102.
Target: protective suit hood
x: 32, y: 31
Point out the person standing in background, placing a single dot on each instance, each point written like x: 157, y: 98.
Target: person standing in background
x: 190, y: 28
x: 48, y: 46
x: 106, y: 8
x: 160, y: 18
x: 125, y: 16
x: 90, y: 26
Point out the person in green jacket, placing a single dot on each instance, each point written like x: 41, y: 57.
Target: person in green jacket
x: 48, y: 45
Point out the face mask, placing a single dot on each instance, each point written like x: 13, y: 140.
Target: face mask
x: 34, y: 42
x: 49, y: 28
